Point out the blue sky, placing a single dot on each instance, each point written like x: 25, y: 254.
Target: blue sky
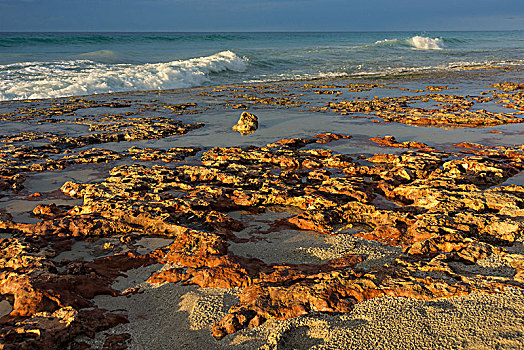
x: 259, y: 15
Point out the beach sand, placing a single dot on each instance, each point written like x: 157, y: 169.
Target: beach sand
x: 175, y: 316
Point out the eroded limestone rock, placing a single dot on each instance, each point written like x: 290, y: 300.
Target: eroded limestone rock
x: 247, y: 124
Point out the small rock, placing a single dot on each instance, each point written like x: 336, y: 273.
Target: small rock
x: 247, y: 124
x: 5, y: 308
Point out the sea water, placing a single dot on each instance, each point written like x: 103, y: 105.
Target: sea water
x: 44, y: 65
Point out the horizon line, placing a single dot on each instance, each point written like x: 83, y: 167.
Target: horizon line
x: 258, y: 31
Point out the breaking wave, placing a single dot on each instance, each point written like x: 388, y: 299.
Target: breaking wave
x: 416, y: 42
x: 425, y: 43
x: 36, y: 80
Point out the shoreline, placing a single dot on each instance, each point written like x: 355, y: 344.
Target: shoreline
x: 357, y: 212
x: 474, y: 71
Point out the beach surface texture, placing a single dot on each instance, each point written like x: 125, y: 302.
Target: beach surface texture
x: 341, y: 212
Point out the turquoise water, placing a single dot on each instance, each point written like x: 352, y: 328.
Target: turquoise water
x: 40, y: 65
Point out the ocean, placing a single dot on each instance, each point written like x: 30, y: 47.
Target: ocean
x: 48, y: 65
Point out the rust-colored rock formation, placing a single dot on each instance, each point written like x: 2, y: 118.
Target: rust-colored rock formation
x: 48, y: 306
x: 444, y: 212
x: 390, y: 141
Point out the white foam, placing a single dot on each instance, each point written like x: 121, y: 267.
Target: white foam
x: 361, y: 71
x: 386, y: 41
x: 425, y: 43
x: 292, y: 77
x: 35, y: 80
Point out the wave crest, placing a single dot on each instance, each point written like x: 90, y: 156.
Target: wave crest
x: 386, y: 41
x: 36, y: 80
x: 425, y: 43
x: 416, y: 42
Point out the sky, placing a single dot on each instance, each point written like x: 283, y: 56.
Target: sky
x: 260, y: 15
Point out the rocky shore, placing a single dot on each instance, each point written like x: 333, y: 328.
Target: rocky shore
x: 357, y: 215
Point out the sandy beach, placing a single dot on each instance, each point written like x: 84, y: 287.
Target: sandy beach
x: 354, y: 214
